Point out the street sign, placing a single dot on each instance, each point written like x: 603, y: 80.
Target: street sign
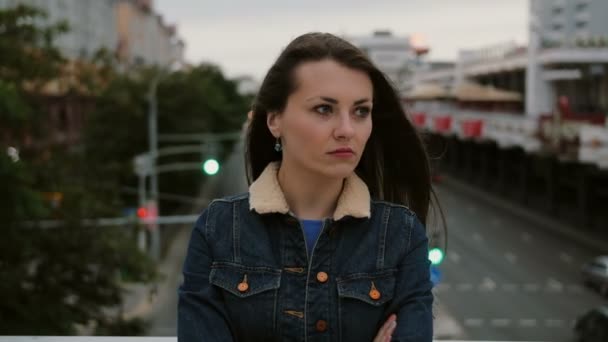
x: 142, y: 164
x: 435, y: 275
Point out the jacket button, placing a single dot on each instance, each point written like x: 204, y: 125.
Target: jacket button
x: 321, y: 325
x: 374, y: 294
x: 322, y: 277
x: 243, y: 287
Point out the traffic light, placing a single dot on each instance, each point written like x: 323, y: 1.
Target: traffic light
x: 436, y: 256
x: 142, y: 212
x: 211, y: 166
x: 148, y: 214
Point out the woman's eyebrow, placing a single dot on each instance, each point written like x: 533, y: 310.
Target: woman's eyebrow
x: 362, y: 101
x: 334, y: 101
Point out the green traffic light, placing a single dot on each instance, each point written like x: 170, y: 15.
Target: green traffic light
x: 211, y: 167
x: 436, y: 256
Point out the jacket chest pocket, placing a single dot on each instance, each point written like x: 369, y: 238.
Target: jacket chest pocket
x: 250, y: 295
x: 362, y: 298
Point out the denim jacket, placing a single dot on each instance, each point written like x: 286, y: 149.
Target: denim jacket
x: 248, y: 275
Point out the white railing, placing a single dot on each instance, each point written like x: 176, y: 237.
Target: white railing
x: 117, y: 339
x: 85, y: 339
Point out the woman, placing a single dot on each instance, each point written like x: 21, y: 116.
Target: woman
x: 323, y: 247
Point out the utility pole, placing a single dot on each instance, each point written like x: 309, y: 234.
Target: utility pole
x: 153, y: 152
x: 141, y: 234
x: 533, y: 68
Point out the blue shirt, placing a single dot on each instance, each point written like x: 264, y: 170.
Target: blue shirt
x: 312, y: 229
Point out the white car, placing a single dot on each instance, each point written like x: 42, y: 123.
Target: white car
x: 595, y: 273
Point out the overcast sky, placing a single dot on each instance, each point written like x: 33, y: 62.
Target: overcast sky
x: 246, y: 36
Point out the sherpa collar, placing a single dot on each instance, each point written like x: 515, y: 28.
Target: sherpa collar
x: 266, y: 196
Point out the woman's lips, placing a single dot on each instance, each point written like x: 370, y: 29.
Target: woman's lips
x: 342, y: 153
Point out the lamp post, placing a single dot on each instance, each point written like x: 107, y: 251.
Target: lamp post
x: 153, y: 153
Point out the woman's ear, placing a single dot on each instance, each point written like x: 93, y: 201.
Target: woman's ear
x: 273, y: 121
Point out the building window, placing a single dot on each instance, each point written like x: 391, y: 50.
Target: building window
x: 557, y: 27
x: 581, y: 6
x: 581, y: 25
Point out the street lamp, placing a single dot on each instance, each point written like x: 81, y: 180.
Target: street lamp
x: 153, y: 153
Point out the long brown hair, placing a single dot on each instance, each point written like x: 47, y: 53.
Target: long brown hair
x: 394, y: 164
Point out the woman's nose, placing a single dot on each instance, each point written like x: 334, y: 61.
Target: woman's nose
x: 344, y: 127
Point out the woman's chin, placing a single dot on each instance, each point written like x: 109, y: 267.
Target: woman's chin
x: 338, y: 170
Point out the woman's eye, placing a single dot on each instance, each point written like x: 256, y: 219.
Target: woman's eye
x: 363, y: 111
x: 323, y: 109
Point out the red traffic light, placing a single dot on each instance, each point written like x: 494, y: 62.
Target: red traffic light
x: 142, y: 212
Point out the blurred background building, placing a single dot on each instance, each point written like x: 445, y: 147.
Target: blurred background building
x: 131, y: 29
x: 546, y: 98
x: 396, y: 56
x: 572, y: 23
x: 143, y: 35
x: 566, y: 57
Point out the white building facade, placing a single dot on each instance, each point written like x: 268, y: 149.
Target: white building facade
x: 129, y: 28
x: 92, y: 23
x: 394, y: 55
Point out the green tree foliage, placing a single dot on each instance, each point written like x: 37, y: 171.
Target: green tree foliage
x: 52, y: 279
x: 26, y: 49
x: 27, y: 57
x: 198, y: 100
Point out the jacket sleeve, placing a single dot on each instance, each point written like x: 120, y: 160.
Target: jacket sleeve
x: 413, y: 299
x: 202, y: 315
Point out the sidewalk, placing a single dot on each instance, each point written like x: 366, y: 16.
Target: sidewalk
x: 445, y: 326
x: 142, y: 298
x: 137, y: 299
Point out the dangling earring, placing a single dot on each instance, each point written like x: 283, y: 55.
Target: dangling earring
x: 277, y: 145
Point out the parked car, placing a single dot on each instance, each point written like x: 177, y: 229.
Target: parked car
x: 595, y: 273
x: 593, y: 325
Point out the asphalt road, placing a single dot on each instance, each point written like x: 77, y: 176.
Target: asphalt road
x: 506, y: 278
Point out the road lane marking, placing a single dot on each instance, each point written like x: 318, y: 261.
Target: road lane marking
x: 526, y: 237
x: 487, y: 285
x: 473, y: 322
x: 472, y: 209
x: 522, y: 322
x: 565, y: 257
x: 477, y: 237
x: 574, y: 288
x: 527, y: 322
x: 496, y: 222
x: 512, y: 258
x: 443, y: 287
x: 554, y: 286
x: 465, y: 287
x: 531, y: 287
x: 454, y: 257
x: 554, y: 323
x: 500, y: 322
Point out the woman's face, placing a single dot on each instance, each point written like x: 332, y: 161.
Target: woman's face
x: 327, y: 120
